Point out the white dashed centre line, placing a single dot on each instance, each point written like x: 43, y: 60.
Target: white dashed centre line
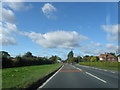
x: 96, y: 77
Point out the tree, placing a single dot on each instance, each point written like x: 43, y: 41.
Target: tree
x: 86, y: 58
x: 78, y: 59
x: 97, y: 58
x: 72, y: 60
x: 53, y: 58
x: 118, y: 55
x: 58, y: 58
x: 6, y: 62
x: 28, y: 54
x: 19, y: 61
x: 70, y: 55
x: 5, y: 59
x: 112, y: 54
x: 4, y: 54
x: 93, y: 59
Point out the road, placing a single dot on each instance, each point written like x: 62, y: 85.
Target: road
x: 78, y: 76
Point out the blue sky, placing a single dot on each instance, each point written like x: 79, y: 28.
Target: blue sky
x: 54, y: 28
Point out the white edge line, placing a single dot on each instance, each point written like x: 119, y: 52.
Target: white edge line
x: 112, y: 72
x: 96, y: 77
x: 105, y: 70
x: 49, y: 79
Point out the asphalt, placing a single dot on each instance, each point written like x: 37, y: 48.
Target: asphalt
x: 78, y: 76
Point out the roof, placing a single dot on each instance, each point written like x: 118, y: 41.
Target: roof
x: 110, y: 55
x: 104, y: 55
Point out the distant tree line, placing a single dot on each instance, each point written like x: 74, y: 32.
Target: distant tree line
x: 86, y: 58
x: 26, y: 60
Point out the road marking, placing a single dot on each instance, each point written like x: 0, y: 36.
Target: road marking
x: 105, y: 70
x: 112, y: 72
x: 68, y: 68
x: 96, y: 77
x: 49, y: 79
x: 70, y: 71
x: 78, y: 68
x: 97, y: 68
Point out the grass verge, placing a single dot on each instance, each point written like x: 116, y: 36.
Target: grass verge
x: 103, y: 65
x: 23, y: 77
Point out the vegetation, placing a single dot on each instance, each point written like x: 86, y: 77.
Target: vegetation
x: 87, y: 58
x: 93, y: 59
x: 23, y: 77
x: 70, y: 57
x: 54, y: 59
x: 103, y: 65
x: 26, y: 60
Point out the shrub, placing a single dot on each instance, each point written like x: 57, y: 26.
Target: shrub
x: 6, y: 62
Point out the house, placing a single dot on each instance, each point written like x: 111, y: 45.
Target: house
x: 118, y: 59
x: 118, y: 56
x: 107, y: 57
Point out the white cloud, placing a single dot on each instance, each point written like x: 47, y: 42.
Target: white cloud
x: 6, y: 34
x: 111, y: 46
x: 113, y: 29
x: 7, y: 40
x: 8, y: 15
x: 112, y: 37
x: 17, y: 6
x: 96, y: 44
x: 48, y: 9
x: 7, y: 24
x: 112, y: 32
x: 88, y: 49
x: 57, y: 39
x: 10, y: 26
x: 98, y: 51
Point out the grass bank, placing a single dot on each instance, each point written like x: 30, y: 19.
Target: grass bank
x: 103, y: 65
x: 23, y: 77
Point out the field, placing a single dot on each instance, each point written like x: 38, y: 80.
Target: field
x: 103, y: 65
x: 23, y: 77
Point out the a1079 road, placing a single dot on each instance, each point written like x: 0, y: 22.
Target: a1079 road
x: 78, y: 76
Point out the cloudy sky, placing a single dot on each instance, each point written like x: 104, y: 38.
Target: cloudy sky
x: 55, y: 28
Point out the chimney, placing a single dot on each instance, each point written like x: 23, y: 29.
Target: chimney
x: 106, y: 56
x: 105, y: 53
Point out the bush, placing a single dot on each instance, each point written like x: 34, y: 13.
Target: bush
x: 6, y: 62
x: 27, y: 60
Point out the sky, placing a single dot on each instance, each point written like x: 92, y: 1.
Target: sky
x: 56, y: 28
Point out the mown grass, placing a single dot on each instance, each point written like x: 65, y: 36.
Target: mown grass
x: 23, y: 77
x: 103, y: 65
